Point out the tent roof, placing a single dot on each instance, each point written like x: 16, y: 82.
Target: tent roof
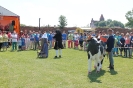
x: 6, y: 12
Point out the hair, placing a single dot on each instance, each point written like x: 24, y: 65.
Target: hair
x: 110, y: 30
x: 122, y: 34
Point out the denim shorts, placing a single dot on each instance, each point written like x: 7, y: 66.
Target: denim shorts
x: 5, y: 43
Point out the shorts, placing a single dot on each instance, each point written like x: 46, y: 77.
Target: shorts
x: 76, y: 43
x: 20, y: 47
x: 81, y: 43
x: 5, y: 43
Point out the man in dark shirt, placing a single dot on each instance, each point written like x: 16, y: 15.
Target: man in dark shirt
x: 110, y: 46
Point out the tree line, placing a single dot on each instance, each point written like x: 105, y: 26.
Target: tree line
x: 107, y: 23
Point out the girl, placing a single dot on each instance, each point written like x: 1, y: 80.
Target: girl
x: 81, y: 41
x: 19, y: 44
x: 127, y: 45
x: 76, y: 42
x: 23, y: 42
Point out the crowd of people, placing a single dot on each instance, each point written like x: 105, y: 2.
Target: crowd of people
x: 32, y: 41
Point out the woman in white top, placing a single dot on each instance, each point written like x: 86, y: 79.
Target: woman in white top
x: 76, y: 42
x: 5, y: 41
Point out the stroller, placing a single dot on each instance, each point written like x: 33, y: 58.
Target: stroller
x: 42, y: 51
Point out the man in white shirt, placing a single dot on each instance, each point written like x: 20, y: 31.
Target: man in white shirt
x: 14, y: 37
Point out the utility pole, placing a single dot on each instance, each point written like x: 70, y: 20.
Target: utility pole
x: 39, y: 23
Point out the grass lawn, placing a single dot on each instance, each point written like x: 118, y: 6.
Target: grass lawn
x: 23, y: 70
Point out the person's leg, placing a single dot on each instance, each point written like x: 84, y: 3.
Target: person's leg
x: 68, y: 43
x: 56, y: 51
x: 35, y: 45
x: 12, y: 46
x: 81, y: 45
x: 15, y: 45
x: 65, y: 43
x: 71, y: 44
x: 111, y: 60
x: 50, y: 44
x: 0, y: 46
x: 60, y: 51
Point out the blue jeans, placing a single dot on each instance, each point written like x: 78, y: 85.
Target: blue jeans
x: 50, y: 44
x: 111, y: 59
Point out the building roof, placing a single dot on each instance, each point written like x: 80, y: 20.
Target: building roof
x: 6, y: 12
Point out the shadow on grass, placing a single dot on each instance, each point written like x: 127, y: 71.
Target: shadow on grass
x: 57, y: 58
x: 94, y: 76
x: 41, y: 58
x: 113, y: 72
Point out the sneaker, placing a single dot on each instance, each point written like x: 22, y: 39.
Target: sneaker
x: 60, y: 56
x: 55, y: 57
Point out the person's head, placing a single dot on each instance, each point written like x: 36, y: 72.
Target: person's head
x: 84, y: 34
x: 131, y: 34
x: 110, y: 31
x: 75, y: 33
x: 100, y: 32
x: 103, y: 32
x: 50, y: 32
x: 14, y: 32
x: 122, y: 34
x: 127, y: 35
x: 117, y: 33
x: 89, y: 36
x: 63, y: 31
x: 81, y: 34
x: 4, y: 32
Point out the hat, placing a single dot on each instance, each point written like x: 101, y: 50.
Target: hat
x: 75, y: 32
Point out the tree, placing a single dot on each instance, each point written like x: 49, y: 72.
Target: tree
x: 102, y: 24
x: 22, y: 25
x: 108, y: 22
x: 118, y: 24
x: 62, y: 22
x: 129, y: 17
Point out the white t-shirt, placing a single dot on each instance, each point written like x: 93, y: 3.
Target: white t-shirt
x: 44, y: 35
x: 14, y: 37
x: 76, y: 37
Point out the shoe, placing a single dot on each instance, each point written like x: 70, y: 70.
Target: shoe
x: 60, y: 56
x: 55, y: 57
x: 111, y: 68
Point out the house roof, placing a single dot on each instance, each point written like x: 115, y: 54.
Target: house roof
x: 6, y: 12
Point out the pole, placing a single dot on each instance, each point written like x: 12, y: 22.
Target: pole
x: 39, y: 23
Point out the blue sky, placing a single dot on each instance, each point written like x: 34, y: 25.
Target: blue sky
x: 78, y: 12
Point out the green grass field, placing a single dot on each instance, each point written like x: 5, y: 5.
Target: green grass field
x: 24, y: 70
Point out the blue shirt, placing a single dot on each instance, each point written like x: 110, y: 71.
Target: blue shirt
x: 50, y: 38
x: 23, y: 41
x: 36, y: 37
x: 32, y: 37
x: 64, y: 36
x: 81, y: 38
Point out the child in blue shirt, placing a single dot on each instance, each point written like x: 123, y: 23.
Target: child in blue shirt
x: 64, y: 38
x: 19, y: 44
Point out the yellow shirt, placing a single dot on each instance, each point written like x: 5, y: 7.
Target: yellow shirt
x: 5, y: 38
x: 1, y: 38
